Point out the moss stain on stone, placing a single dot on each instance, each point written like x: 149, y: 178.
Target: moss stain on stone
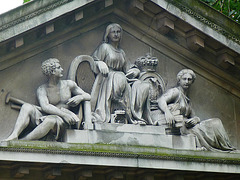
x: 124, y: 151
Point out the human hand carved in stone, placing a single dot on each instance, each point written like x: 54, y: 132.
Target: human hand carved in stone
x: 192, y: 122
x: 170, y: 118
x: 70, y: 119
x: 74, y: 101
x: 103, y: 68
x: 133, y: 73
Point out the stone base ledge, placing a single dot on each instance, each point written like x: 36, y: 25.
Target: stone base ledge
x: 119, y: 156
x: 130, y: 134
x: 131, y: 128
x: 130, y: 138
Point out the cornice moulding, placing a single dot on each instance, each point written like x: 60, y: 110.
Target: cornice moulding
x: 130, y: 156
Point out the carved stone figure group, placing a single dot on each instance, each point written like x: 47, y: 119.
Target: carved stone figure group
x: 118, y: 90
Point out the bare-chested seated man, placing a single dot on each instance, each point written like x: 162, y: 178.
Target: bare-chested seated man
x: 55, y: 99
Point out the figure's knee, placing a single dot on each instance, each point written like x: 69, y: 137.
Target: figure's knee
x: 141, y: 86
x: 120, y: 82
x: 213, y: 122
x: 120, y: 78
x: 51, y: 120
x: 217, y: 121
x: 27, y: 108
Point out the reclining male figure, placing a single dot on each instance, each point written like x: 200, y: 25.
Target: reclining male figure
x: 55, y: 99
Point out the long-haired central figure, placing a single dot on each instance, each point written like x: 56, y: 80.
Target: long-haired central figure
x: 111, y: 90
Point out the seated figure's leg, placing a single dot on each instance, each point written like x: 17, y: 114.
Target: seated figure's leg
x: 26, y: 113
x: 212, y: 135
x: 49, y: 123
x: 113, y: 95
x: 121, y: 95
x: 119, y: 85
x: 140, y: 104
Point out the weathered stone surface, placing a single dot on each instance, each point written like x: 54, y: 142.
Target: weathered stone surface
x: 147, y: 137
x: 120, y: 156
x: 54, y: 113
x: 130, y: 128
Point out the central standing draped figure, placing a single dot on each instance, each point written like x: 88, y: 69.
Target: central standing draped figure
x: 110, y: 90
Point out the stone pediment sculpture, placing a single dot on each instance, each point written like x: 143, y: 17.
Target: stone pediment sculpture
x: 158, y: 39
x: 143, y: 79
x: 133, y: 91
x: 121, y: 93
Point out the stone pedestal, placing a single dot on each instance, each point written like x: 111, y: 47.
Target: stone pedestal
x: 128, y: 134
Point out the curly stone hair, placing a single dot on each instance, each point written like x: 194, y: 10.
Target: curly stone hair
x: 186, y: 71
x: 49, y: 66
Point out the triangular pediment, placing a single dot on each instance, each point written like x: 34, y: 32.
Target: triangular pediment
x: 179, y: 34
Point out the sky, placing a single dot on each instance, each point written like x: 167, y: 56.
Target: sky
x: 7, y: 5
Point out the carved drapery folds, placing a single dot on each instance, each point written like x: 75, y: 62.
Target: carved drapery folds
x: 210, y: 133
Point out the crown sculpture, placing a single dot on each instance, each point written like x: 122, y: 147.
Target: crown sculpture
x: 147, y: 63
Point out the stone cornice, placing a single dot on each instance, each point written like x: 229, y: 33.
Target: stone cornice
x: 33, y: 14
x: 117, y: 151
x: 207, y: 22
x: 216, y: 30
x: 170, y: 157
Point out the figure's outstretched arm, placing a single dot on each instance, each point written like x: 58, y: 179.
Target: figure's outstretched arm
x: 133, y: 73
x: 79, y: 94
x: 103, y: 68
x: 99, y: 56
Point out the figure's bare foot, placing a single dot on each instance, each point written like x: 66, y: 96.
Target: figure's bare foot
x: 142, y: 123
x: 235, y: 151
x: 201, y: 149
x: 11, y: 138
